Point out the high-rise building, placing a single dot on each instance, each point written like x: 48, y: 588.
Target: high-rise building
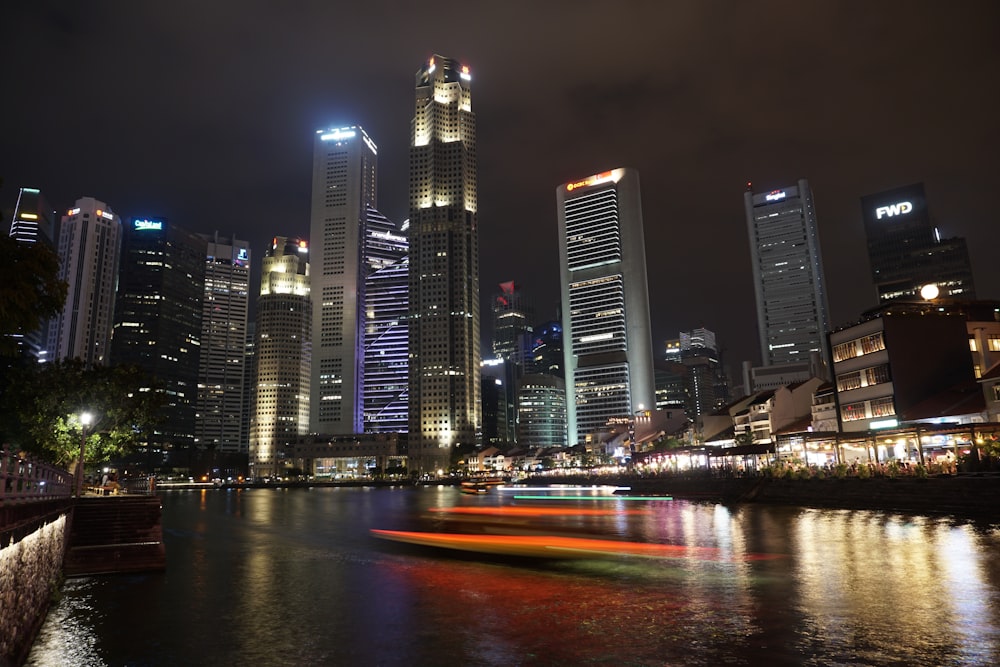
x: 158, y: 318
x: 512, y: 343
x: 283, y: 352
x: 343, y: 192
x: 511, y: 331
x: 547, y: 349
x: 906, y: 250
x: 34, y: 221
x: 221, y: 370
x: 497, y: 425
x: 541, y: 411
x: 607, y: 347
x: 445, y: 355
x: 90, y: 238
x: 789, y: 284
x: 386, y: 338
x: 705, y: 381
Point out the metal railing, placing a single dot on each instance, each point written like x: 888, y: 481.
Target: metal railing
x: 24, y: 478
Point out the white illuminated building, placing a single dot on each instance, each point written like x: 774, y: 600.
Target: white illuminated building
x: 445, y: 355
x: 283, y: 349
x: 90, y: 240
x: 343, y: 193
x: 789, y: 285
x: 607, y: 343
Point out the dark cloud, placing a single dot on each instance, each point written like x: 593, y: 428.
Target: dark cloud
x: 204, y: 112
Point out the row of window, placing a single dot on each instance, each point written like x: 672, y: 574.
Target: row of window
x: 859, y: 347
x: 875, y: 408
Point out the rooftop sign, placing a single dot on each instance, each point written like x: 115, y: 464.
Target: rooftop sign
x: 147, y: 225
x: 590, y: 180
x: 900, y: 208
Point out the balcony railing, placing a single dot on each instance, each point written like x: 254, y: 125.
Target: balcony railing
x: 24, y: 478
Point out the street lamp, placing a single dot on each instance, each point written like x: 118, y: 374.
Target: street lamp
x: 85, y: 420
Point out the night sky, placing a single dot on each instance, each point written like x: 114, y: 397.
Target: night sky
x: 205, y: 112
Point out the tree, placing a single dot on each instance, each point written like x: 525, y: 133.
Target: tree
x: 42, y: 415
x: 30, y: 290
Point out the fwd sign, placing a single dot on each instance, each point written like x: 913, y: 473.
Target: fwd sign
x: 893, y: 209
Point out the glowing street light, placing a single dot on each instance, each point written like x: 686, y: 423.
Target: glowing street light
x: 85, y: 420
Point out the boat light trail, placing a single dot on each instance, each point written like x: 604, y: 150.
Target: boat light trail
x: 552, y: 546
x: 537, y: 511
x: 555, y: 497
x: 516, y: 489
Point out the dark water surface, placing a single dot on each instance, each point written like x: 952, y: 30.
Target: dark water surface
x: 294, y: 577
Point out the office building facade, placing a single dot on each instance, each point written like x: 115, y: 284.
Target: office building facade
x: 386, y: 337
x: 547, y: 349
x: 445, y: 355
x: 34, y: 221
x: 158, y: 318
x: 283, y: 356
x: 607, y: 347
x: 541, y: 411
x: 789, y: 283
x: 906, y: 251
x: 706, y: 389
x: 343, y: 192
x: 511, y: 343
x: 222, y: 368
x: 90, y: 238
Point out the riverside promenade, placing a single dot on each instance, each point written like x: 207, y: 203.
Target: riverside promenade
x: 966, y: 495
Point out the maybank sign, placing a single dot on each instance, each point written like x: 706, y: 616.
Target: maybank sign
x: 147, y: 225
x: 900, y: 208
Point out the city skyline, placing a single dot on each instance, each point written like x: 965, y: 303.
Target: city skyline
x: 176, y: 133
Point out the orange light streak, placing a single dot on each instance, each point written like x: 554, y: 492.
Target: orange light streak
x: 552, y: 546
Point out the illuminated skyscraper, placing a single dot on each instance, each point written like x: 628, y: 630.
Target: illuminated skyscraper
x: 792, y: 311
x: 34, y: 221
x: 541, y: 411
x: 445, y: 410
x: 221, y: 370
x: 907, y: 252
x: 90, y: 238
x: 512, y: 343
x: 605, y: 301
x: 386, y: 340
x: 283, y: 353
x: 343, y: 192
x: 158, y: 317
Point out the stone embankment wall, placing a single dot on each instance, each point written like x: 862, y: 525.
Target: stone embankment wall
x: 32, y: 546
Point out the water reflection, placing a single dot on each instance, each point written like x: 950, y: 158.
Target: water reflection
x: 858, y: 571
x: 293, y: 577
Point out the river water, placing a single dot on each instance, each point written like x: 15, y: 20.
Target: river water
x: 295, y: 577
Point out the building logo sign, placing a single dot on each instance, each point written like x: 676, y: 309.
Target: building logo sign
x: 342, y: 134
x: 590, y: 180
x: 776, y: 195
x: 901, y: 208
x: 147, y: 225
